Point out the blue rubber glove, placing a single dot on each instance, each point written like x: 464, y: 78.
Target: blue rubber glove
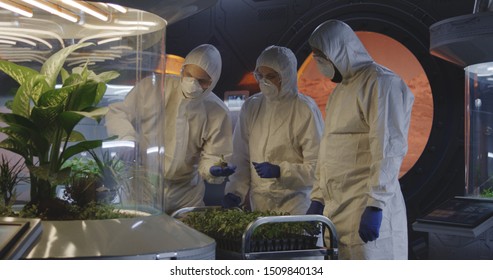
x: 316, y: 208
x: 231, y: 201
x: 267, y: 170
x: 219, y: 171
x: 369, y: 226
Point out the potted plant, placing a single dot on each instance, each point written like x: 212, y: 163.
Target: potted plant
x: 40, y: 127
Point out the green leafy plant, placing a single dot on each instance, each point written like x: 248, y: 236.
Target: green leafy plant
x: 94, y: 179
x: 81, y: 167
x: 41, y: 125
x: 10, y: 176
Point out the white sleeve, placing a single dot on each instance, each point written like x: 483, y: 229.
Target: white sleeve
x: 120, y: 117
x: 388, y: 115
x: 301, y: 175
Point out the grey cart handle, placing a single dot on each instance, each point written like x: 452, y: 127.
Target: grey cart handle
x: 326, y: 223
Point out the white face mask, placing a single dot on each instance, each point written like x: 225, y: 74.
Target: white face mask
x: 325, y: 67
x: 191, y: 87
x: 268, y: 88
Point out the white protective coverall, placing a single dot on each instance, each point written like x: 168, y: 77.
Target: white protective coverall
x: 197, y: 131
x: 284, y: 130
x: 364, y: 142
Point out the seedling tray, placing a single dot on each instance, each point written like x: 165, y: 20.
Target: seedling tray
x: 289, y: 246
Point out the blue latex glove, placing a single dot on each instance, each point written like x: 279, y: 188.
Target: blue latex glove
x: 231, y: 201
x: 369, y: 226
x: 267, y: 170
x: 316, y: 208
x: 219, y: 171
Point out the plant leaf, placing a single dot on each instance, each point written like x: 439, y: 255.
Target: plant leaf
x: 54, y: 64
x: 38, y: 142
x: 64, y: 74
x: 83, y: 97
x: 39, y: 86
x: 68, y: 120
x: 105, y: 77
x: 73, y: 80
x: 17, y: 133
x: 45, y: 116
x: 76, y: 136
x: 94, y: 112
x: 54, y: 97
x: 43, y: 172
x: 28, y: 91
x: 100, y: 92
x: 17, y: 72
x: 14, y: 119
x: 15, y: 147
x: 21, y: 105
x: 79, y: 148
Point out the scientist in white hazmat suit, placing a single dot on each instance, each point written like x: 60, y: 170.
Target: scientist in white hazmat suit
x: 364, y: 143
x: 197, y: 126
x: 276, y: 140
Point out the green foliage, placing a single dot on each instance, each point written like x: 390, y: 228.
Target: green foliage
x: 101, y: 211
x: 94, y: 179
x: 43, y: 118
x: 487, y: 193
x: 233, y: 223
x: 91, y: 211
x: 10, y: 176
x: 82, y: 167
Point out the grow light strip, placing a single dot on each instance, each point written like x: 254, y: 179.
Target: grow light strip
x: 18, y: 34
x: 54, y: 9
x: 119, y: 8
x: 113, y: 27
x: 17, y: 31
x: 88, y: 8
x: 16, y: 8
x: 105, y: 41
x: 103, y: 35
x: 8, y: 42
x: 14, y: 38
x: 135, y: 22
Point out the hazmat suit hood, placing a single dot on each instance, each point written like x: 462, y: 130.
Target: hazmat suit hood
x: 342, y: 47
x: 283, y: 61
x: 208, y: 58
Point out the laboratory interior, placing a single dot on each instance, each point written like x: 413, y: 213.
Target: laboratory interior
x: 104, y: 157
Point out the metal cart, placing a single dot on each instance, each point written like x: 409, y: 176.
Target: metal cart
x: 327, y: 251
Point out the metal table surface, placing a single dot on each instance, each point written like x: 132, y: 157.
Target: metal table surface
x: 150, y: 237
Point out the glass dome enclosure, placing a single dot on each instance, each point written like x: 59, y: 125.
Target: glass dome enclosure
x: 467, y: 42
x: 479, y: 129
x: 128, y: 41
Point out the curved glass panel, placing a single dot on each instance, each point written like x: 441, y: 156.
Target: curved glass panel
x: 129, y: 42
x: 479, y: 130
